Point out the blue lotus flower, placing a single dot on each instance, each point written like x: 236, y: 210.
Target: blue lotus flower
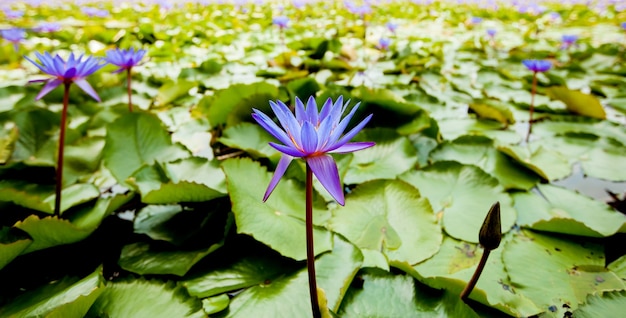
x: 568, y: 40
x: 281, y: 21
x: 312, y: 135
x: 383, y: 44
x: 14, y: 36
x: 48, y: 27
x: 537, y: 65
x: 124, y: 59
x: 623, y: 24
x: 74, y: 70
x: 491, y: 32
x: 12, y: 14
x: 392, y: 27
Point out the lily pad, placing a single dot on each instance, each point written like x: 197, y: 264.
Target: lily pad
x: 234, y: 104
x: 578, y: 102
x: 604, y: 305
x: 389, y: 217
x: 559, y: 210
x: 172, y: 91
x: 279, y: 222
x: 11, y: 245
x: 42, y: 197
x: 250, y: 138
x: 461, y: 195
x: 545, y: 162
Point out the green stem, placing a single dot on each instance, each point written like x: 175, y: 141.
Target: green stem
x: 532, y: 106
x: 479, y: 270
x: 59, y: 172
x: 310, y: 253
x: 128, y: 80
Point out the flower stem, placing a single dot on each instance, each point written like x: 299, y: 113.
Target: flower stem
x: 59, y: 172
x: 532, y: 106
x: 128, y: 80
x: 479, y: 270
x: 310, y: 254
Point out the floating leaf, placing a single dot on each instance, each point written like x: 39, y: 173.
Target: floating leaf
x: 491, y: 109
x: 215, y: 304
x: 563, y: 271
x: 390, y: 217
x: 559, y: 210
x: 547, y: 163
x: 138, y: 139
x: 279, y: 222
x: 463, y: 194
x: 65, y: 298
x: 42, y: 197
x: 480, y: 151
x: 387, y: 295
x: 604, y: 305
x: 234, y: 104
x: 578, y: 102
x: 391, y: 156
x: 35, y: 143
x: 129, y: 298
x: 172, y: 91
x: 250, y: 138
x: 11, y: 245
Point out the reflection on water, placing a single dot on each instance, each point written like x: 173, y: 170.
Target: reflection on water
x: 589, y: 186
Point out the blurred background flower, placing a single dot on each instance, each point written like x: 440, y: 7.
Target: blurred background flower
x: 15, y: 36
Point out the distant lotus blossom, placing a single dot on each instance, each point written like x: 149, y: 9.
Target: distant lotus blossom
x: 124, y: 59
x: 568, y: 40
x: 13, y: 14
x: 476, y: 20
x: 392, y: 27
x: 360, y: 10
x: 383, y: 44
x: 623, y: 24
x: 95, y: 12
x: 280, y: 21
x: 555, y: 16
x: 312, y: 135
x: 74, y: 70
x: 14, y: 36
x: 491, y: 32
x: 48, y: 27
x: 537, y: 65
x: 299, y: 4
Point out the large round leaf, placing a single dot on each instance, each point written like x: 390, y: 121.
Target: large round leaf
x: 480, y: 151
x: 234, y: 104
x: 559, y: 210
x: 42, y: 197
x: 145, y: 298
x: 547, y: 163
x: 387, y: 295
x: 578, y: 102
x: 464, y: 195
x: 279, y: 222
x: 605, y: 305
x: 563, y: 271
x: 11, y: 245
x: 389, y: 217
x: 250, y: 138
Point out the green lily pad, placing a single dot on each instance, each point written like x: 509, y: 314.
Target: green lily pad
x: 250, y: 138
x: 463, y: 195
x: 391, y: 156
x: 563, y: 272
x: 172, y: 91
x: 65, y: 298
x: 386, y: 295
x: 234, y: 104
x: 8, y: 138
x: 35, y: 144
x: 389, y: 217
x: 11, y: 245
x: 559, y: 210
x: 138, y: 139
x: 545, y: 162
x: 215, y: 304
x: 188, y: 180
x: 42, y: 197
x: 288, y: 295
x: 578, y: 102
x: 494, y: 110
x: 618, y: 266
x: 453, y: 266
x: 604, y: 305
x: 279, y: 222
x: 480, y: 151
x: 129, y: 298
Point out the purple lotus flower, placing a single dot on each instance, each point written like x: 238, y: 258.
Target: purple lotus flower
x: 312, y: 135
x: 74, y: 70
x: 476, y: 20
x: 13, y: 14
x: 95, y: 12
x: 48, y: 27
x: 623, y: 24
x: 383, y: 44
x: 392, y: 27
x: 537, y: 65
x: 281, y: 21
x: 14, y: 36
x: 568, y: 40
x: 491, y: 32
x: 124, y: 59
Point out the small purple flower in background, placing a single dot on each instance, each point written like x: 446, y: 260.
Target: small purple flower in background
x: 299, y: 4
x: 392, y: 27
x: 48, y: 27
x: 554, y: 16
x: 623, y: 24
x: 383, y: 44
x: 66, y: 72
x: 568, y: 40
x: 312, y: 135
x: 74, y: 70
x: 537, y: 65
x: 491, y: 33
x: 13, y: 14
x: 95, y: 12
x: 476, y: 20
x: 14, y: 36
x: 125, y: 60
x: 281, y: 21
